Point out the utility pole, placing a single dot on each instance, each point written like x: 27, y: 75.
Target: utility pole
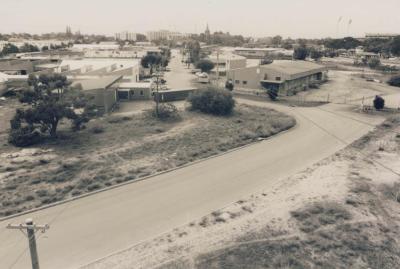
x: 157, y: 75
x: 30, y: 227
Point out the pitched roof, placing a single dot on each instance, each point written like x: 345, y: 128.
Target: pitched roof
x: 97, y: 83
x: 294, y: 69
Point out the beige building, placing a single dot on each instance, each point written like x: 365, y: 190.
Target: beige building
x: 225, y: 62
x: 286, y: 77
x: 135, y: 91
x: 101, y: 91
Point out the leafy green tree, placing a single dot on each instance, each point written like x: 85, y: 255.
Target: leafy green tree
x: 205, y: 65
x: 300, y: 53
x: 49, y: 100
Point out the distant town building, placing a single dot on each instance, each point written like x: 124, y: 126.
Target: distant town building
x: 286, y: 77
x: 126, y: 36
x: 165, y: 35
x: 381, y: 35
x: 261, y: 53
x: 207, y: 34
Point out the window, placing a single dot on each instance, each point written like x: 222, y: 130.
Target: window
x: 244, y: 82
x: 237, y: 81
x: 141, y: 92
x: 265, y: 76
x: 278, y: 78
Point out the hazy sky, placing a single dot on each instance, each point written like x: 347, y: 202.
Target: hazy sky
x: 294, y: 18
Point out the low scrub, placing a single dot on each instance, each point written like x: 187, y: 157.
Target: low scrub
x: 212, y: 101
x: 320, y: 214
x: 166, y: 111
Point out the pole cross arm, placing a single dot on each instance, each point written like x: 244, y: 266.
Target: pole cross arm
x: 35, y: 227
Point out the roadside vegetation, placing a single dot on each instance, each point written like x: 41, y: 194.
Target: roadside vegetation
x: 116, y: 149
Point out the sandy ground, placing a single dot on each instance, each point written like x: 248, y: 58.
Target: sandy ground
x: 348, y: 86
x: 268, y: 211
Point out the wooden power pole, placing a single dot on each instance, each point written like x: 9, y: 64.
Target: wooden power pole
x: 31, y: 228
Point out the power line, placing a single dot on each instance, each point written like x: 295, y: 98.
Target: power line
x: 351, y: 118
x: 345, y: 143
x: 31, y: 228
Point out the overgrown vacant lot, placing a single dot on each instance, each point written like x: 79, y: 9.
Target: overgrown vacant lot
x: 117, y: 149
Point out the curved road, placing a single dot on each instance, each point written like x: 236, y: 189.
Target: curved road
x: 92, y: 227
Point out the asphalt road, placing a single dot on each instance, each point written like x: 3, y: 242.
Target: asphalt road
x: 92, y: 227
x: 179, y: 77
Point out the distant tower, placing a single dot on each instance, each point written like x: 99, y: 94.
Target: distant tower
x: 68, y: 32
x: 207, y: 33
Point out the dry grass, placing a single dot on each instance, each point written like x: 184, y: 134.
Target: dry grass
x: 117, y: 149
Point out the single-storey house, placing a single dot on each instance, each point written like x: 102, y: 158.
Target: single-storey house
x: 286, y: 77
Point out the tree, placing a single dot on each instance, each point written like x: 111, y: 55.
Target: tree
x: 379, y: 102
x: 395, y: 46
x: 50, y: 99
x: 300, y: 53
x: 28, y: 48
x: 9, y: 48
x: 205, y: 65
x: 374, y: 63
x: 45, y: 48
x: 212, y: 101
x: 316, y: 54
x: 277, y: 40
x: 150, y: 61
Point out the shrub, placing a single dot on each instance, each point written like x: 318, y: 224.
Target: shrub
x: 166, y: 111
x: 212, y: 101
x: 97, y: 130
x: 394, y: 81
x: 374, y: 63
x: 23, y: 136
x: 379, y: 102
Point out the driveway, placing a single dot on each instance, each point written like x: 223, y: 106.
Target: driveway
x: 92, y: 227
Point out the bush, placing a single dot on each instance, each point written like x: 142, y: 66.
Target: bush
x: 23, y: 137
x: 97, y: 130
x: 374, y: 63
x: 166, y: 111
x: 212, y: 101
x: 394, y: 81
x: 379, y: 102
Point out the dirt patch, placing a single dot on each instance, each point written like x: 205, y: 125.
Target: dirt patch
x: 121, y: 148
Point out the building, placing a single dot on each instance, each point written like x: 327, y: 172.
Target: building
x: 173, y: 95
x: 126, y: 36
x: 95, y: 46
x: 286, y: 77
x: 380, y: 36
x: 261, y: 53
x: 165, y: 35
x: 135, y: 91
x: 224, y: 62
x: 101, y: 91
x: 16, y: 67
x: 92, y: 67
